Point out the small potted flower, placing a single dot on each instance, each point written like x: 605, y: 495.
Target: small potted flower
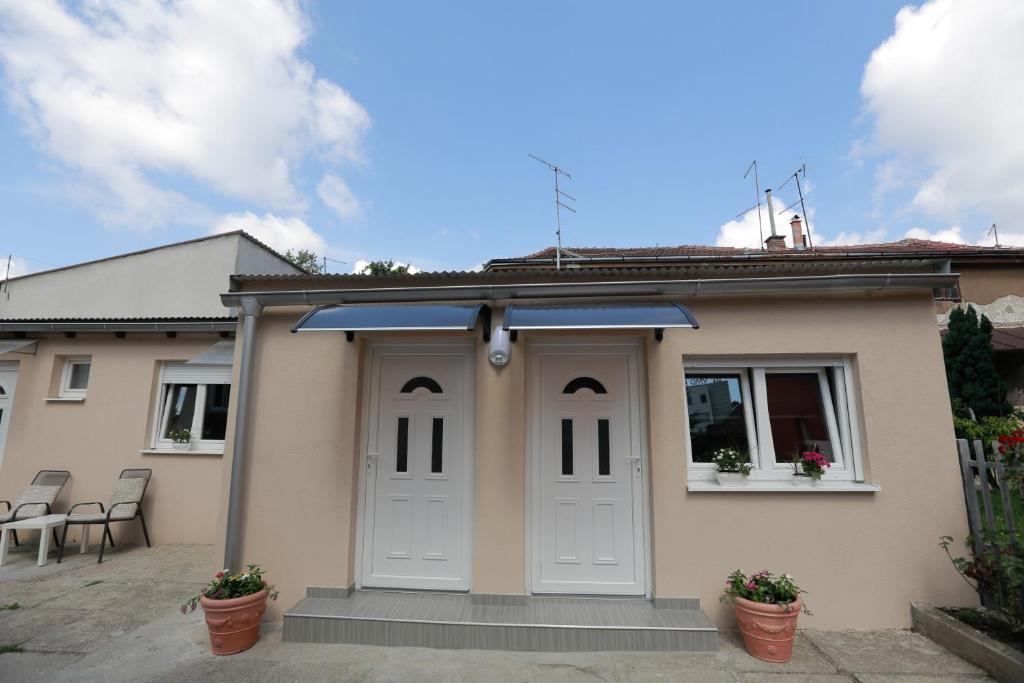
x: 234, y: 605
x: 733, y: 466
x: 181, y: 439
x: 809, y: 468
x: 766, y: 610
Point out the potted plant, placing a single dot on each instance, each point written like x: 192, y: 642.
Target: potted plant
x: 766, y: 610
x: 733, y: 466
x: 812, y: 466
x: 234, y: 605
x: 181, y: 439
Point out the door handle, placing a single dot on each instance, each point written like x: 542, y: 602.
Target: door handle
x: 371, y: 459
x: 634, y: 462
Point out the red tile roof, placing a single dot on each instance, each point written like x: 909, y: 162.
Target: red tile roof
x: 905, y: 246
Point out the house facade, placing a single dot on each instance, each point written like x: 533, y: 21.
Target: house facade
x: 101, y: 361
x: 538, y: 431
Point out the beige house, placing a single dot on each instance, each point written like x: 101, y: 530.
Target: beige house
x: 529, y: 434
x: 100, y: 361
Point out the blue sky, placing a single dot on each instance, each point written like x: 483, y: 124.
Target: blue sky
x: 401, y: 130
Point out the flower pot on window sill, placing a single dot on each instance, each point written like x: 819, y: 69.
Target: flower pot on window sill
x: 181, y: 445
x: 801, y: 480
x: 730, y: 478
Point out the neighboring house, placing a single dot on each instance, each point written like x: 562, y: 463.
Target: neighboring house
x: 98, y: 361
x: 527, y: 430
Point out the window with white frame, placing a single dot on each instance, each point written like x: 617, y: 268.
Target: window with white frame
x: 74, y: 380
x: 193, y: 398
x: 772, y: 410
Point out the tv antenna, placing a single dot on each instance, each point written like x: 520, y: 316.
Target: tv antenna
x: 994, y: 231
x: 559, y: 205
x: 757, y: 196
x: 799, y: 190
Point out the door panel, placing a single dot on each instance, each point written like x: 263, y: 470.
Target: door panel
x: 415, y: 534
x: 587, y: 484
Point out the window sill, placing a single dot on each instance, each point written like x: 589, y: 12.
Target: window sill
x: 65, y: 399
x: 782, y: 486
x: 171, y: 451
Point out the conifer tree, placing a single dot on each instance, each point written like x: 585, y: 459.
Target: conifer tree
x: 970, y: 364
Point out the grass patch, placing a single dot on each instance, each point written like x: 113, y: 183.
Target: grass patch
x: 4, y: 649
x: 989, y: 624
x: 12, y: 605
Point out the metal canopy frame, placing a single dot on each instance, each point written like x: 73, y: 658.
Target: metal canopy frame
x: 423, y: 317
x: 626, y: 316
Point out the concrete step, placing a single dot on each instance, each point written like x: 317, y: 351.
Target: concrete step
x: 461, y: 621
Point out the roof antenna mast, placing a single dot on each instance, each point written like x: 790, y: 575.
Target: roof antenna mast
x: 799, y: 190
x: 757, y: 196
x: 559, y: 205
x: 994, y: 231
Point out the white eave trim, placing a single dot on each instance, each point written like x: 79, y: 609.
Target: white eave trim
x: 631, y: 288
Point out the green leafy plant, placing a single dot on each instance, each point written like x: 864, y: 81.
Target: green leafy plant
x: 226, y: 586
x: 180, y: 435
x: 384, y: 268
x: 307, y: 260
x: 987, y: 429
x: 763, y: 587
x: 731, y: 460
x: 813, y: 464
x: 997, y: 575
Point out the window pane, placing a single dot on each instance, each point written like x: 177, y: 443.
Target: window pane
x: 402, y: 451
x: 715, y: 405
x: 182, y: 407
x: 215, y: 412
x: 797, y: 415
x: 566, y: 448
x: 604, y: 453
x: 79, y: 378
x: 437, y: 446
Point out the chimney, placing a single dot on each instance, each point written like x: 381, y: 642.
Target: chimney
x: 774, y: 242
x: 797, y: 226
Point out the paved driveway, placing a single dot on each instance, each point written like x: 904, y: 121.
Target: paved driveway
x: 118, y: 621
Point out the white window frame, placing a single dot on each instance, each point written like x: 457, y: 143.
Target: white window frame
x: 841, y: 419
x: 65, y: 378
x: 172, y: 373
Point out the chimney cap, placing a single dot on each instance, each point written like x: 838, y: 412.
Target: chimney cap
x: 795, y: 217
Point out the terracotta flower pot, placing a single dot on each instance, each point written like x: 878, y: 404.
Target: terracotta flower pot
x: 768, y: 630
x: 234, y: 624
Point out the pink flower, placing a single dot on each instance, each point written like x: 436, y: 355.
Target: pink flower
x: 751, y: 585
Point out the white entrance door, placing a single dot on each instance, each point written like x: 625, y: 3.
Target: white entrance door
x: 587, y: 483
x: 417, y: 530
x: 8, y: 378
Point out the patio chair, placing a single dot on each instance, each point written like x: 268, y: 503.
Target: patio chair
x: 125, y: 505
x: 36, y: 499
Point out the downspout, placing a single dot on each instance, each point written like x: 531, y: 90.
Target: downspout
x: 251, y: 310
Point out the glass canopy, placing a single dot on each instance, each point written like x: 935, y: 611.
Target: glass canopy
x: 599, y: 317
x: 381, y: 318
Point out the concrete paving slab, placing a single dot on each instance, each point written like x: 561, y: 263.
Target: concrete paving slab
x: 83, y: 635
x: 33, y: 666
x: 921, y: 678
x: 762, y: 677
x: 888, y: 652
x: 807, y: 658
x: 22, y: 625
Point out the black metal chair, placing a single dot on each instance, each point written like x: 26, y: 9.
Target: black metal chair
x: 125, y: 505
x: 36, y: 499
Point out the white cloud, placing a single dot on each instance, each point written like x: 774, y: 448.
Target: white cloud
x: 743, y: 231
x: 336, y: 195
x: 1007, y: 238
x: 279, y: 232
x: 952, y: 234
x: 129, y: 94
x: 945, y: 95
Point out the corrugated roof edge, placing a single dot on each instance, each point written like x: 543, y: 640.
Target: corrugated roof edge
x: 663, y: 268
x: 137, y: 252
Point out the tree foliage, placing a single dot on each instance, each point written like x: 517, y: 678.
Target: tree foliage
x: 970, y: 365
x: 309, y: 261
x: 384, y: 268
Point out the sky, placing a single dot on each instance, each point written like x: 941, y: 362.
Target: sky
x: 401, y: 130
